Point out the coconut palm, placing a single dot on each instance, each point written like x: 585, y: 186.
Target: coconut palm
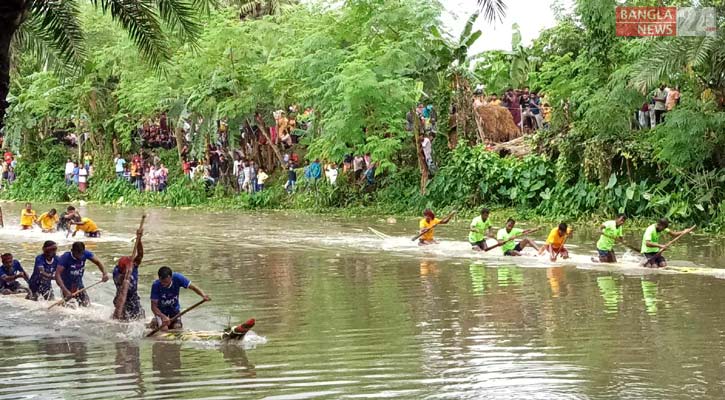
x: 51, y: 29
x: 259, y: 8
x: 492, y: 10
x: 701, y: 57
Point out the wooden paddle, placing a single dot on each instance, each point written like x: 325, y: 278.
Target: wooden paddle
x: 177, y: 316
x: 670, y: 243
x: 74, y: 294
x: 2, y: 222
x: 121, y: 299
x: 526, y: 232
x: 563, y: 242
x: 426, y: 230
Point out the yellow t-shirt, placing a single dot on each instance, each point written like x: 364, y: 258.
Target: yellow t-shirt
x: 47, y: 222
x: 425, y: 224
x: 27, y: 218
x: 555, y: 240
x: 87, y: 225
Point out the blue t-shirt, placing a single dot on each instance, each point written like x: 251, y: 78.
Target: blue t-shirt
x: 132, y: 282
x: 39, y: 283
x: 14, y: 270
x: 168, y: 297
x: 315, y: 170
x: 72, y: 275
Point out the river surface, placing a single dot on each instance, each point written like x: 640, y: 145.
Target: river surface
x: 343, y: 314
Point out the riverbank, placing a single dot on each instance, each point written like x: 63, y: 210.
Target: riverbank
x: 471, y: 178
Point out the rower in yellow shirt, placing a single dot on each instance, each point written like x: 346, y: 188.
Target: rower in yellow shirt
x: 89, y: 228
x: 48, y: 221
x: 27, y: 217
x: 426, y: 227
x: 555, y: 242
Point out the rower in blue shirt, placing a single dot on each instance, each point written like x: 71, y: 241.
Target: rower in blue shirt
x: 10, y: 271
x: 41, y: 286
x: 69, y: 274
x: 165, y: 298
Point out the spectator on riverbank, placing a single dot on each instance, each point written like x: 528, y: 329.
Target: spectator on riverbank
x: 120, y: 164
x: 261, y: 178
x: 427, y: 146
x: 358, y: 166
x: 291, y: 179
x: 76, y: 173
x: 69, y: 167
x: 673, y: 98
x: 331, y: 173
x: 660, y: 97
x: 83, y: 178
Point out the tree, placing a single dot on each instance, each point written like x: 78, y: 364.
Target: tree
x: 260, y: 8
x: 493, y: 9
x: 53, y: 25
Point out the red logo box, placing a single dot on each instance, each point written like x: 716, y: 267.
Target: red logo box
x: 646, y: 21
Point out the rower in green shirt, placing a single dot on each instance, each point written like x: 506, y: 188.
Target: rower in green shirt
x: 651, y: 243
x: 611, y: 233
x: 480, y: 229
x: 510, y: 248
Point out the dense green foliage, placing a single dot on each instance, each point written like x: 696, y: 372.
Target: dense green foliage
x: 362, y: 66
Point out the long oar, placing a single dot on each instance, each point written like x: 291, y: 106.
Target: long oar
x: 177, y: 316
x: 122, y: 294
x: 426, y: 230
x: 671, y: 242
x: 563, y: 242
x: 526, y: 232
x: 2, y: 222
x: 74, y: 294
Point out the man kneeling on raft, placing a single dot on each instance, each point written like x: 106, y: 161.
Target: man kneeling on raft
x: 165, y: 298
x: 509, y: 247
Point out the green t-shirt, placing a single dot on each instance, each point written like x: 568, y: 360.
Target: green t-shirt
x: 503, y: 235
x: 651, y: 235
x: 611, y: 232
x: 481, y: 228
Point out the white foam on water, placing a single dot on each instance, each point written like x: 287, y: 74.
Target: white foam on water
x: 628, y: 263
x: 15, y: 234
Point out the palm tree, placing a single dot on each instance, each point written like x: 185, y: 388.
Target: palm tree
x: 492, y: 10
x: 701, y: 57
x: 51, y: 28
x: 259, y: 8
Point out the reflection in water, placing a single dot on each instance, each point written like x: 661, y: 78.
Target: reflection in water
x: 649, y: 295
x: 236, y: 355
x: 78, y: 351
x: 128, y: 363
x: 555, y: 275
x: 509, y: 276
x: 166, y: 360
x: 610, y: 293
x: 478, y: 279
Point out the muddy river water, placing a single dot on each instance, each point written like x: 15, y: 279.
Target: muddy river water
x: 343, y: 313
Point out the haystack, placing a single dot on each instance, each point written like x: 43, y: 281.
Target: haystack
x: 516, y: 147
x: 496, y: 124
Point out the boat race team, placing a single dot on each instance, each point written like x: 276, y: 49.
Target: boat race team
x: 67, y: 269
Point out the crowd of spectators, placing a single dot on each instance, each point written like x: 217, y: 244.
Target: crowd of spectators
x: 156, y: 133
x: 662, y: 100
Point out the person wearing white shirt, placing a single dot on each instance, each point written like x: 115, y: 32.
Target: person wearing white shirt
x: 69, y: 166
x: 120, y: 164
x: 331, y: 173
x: 82, y: 178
